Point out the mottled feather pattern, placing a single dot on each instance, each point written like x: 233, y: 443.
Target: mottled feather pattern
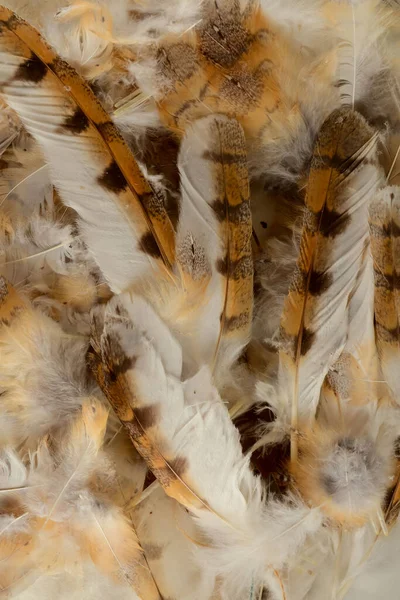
x: 344, y: 157
x: 117, y: 369
x: 214, y: 236
x: 385, y: 246
x: 226, y: 74
x: 230, y: 64
x: 73, y: 458
x: 81, y: 125
x: 166, y: 166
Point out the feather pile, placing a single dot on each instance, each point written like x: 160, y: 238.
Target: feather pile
x: 199, y: 299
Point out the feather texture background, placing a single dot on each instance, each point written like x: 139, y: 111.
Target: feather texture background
x: 199, y: 319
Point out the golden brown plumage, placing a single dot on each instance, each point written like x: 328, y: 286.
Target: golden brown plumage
x: 204, y: 162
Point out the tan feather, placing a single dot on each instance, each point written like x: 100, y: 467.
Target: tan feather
x: 80, y: 135
x: 342, y: 179
x: 385, y: 246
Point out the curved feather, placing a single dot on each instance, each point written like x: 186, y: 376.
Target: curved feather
x: 111, y: 361
x: 214, y: 238
x: 343, y: 177
x: 122, y: 221
x: 185, y: 434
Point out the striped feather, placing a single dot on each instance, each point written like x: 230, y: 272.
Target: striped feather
x: 214, y: 239
x: 122, y: 221
x: 185, y: 434
x: 385, y: 244
x: 342, y: 180
x: 116, y: 370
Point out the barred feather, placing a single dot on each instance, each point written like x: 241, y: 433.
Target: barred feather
x: 385, y: 228
x: 343, y: 178
x: 91, y: 165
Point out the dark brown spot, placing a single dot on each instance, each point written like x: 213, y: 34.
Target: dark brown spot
x: 319, y: 283
x: 333, y: 223
x: 394, y: 229
x: 184, y: 108
x: 397, y: 448
x: 32, y: 70
x: 387, y: 282
x: 238, y: 214
x: 235, y: 270
x: 77, y: 122
x: 237, y: 322
x: 249, y: 422
x: 159, y: 152
x: 307, y: 340
x: 120, y: 367
x: 263, y: 224
x: 271, y: 463
x: 387, y: 230
x: 388, y: 335
x: 149, y: 245
x: 113, y: 179
x: 266, y: 595
x: 150, y: 478
x: 119, y: 362
x: 153, y: 551
x: 147, y: 416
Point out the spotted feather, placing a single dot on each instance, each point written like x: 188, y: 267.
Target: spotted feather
x: 385, y: 245
x: 122, y: 220
x: 342, y: 180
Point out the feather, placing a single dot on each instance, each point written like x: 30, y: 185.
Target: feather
x: 85, y: 440
x: 51, y: 387
x: 342, y: 180
x: 360, y: 28
x: 228, y: 65
x: 384, y: 227
x: 85, y: 37
x: 222, y: 104
x: 89, y: 160
x: 171, y: 423
x: 66, y: 507
x: 168, y: 537
x: 211, y: 306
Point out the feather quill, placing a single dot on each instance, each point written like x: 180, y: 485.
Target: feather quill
x: 121, y: 220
